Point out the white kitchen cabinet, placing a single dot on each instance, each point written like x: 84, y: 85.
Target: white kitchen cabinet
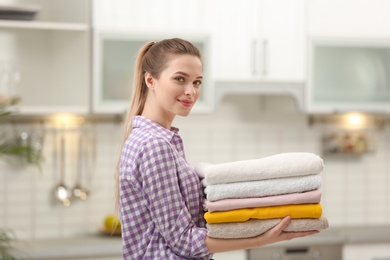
x: 258, y: 40
x: 122, y: 27
x: 115, y: 54
x: 150, y: 15
x: 348, y: 56
x: 349, y: 74
x: 49, y: 57
x: 349, y: 18
x: 283, y: 29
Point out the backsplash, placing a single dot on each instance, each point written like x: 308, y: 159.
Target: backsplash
x: 355, y: 189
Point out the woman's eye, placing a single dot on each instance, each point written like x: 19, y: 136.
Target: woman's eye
x: 180, y: 79
x: 197, y: 83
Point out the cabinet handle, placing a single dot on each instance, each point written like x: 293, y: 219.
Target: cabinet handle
x: 254, y: 57
x: 265, y: 57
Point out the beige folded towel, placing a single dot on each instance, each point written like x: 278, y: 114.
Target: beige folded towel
x: 274, y: 166
x: 256, y: 227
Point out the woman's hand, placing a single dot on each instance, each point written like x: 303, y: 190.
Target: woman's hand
x: 276, y: 234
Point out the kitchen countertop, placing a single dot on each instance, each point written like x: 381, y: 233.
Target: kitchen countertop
x: 343, y: 235
x: 85, y: 246
x: 96, y: 245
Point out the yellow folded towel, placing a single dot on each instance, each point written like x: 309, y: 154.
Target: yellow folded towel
x: 240, y: 215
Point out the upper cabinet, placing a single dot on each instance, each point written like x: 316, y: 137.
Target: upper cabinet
x: 150, y: 16
x: 253, y: 46
x: 257, y: 40
x: 121, y: 28
x: 115, y: 53
x: 349, y: 74
x: 46, y: 60
x: 349, y: 18
x: 348, y: 57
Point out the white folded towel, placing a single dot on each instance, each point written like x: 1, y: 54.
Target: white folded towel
x: 274, y: 166
x: 255, y: 227
x: 271, y: 187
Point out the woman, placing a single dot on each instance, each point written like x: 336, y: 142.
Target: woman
x: 159, y: 194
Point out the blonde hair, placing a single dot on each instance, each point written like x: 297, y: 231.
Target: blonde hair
x: 151, y: 58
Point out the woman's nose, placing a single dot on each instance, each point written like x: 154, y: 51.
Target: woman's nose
x: 190, y: 90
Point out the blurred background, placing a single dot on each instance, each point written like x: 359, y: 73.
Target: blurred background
x: 279, y: 76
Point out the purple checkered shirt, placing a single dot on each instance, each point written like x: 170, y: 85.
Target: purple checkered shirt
x: 160, y: 197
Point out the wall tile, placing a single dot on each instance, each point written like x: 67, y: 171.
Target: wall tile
x: 355, y: 190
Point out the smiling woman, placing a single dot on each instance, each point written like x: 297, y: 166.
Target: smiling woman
x: 154, y: 179
x: 158, y: 193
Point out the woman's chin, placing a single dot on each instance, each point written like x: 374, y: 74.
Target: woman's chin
x: 184, y: 112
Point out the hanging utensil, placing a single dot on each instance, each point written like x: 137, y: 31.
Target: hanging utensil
x: 78, y: 190
x: 61, y: 192
x: 91, y: 154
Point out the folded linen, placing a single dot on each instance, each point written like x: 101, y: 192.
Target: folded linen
x: 308, y: 197
x: 262, y: 188
x: 241, y: 215
x: 204, y: 183
x: 274, y: 166
x: 256, y: 227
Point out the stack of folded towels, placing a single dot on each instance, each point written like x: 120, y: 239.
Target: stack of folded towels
x: 246, y: 198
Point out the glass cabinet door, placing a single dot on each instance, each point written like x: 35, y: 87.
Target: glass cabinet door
x: 115, y: 56
x: 350, y: 75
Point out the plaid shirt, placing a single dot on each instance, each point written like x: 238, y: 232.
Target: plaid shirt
x: 160, y: 197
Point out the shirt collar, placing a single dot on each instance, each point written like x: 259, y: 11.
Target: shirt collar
x: 143, y: 122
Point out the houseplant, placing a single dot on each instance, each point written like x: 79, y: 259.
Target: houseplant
x: 12, y: 147
x: 6, y: 237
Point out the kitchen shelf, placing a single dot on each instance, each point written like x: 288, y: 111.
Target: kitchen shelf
x: 37, y: 25
x: 44, y: 118
x: 49, y: 56
x: 295, y: 89
x: 378, y: 121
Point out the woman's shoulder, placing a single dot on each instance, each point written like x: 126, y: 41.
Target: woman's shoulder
x: 146, y: 140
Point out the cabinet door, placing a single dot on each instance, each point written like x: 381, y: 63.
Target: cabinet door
x: 349, y: 75
x: 258, y: 39
x: 152, y: 15
x: 363, y: 251
x: 283, y: 33
x: 114, y: 59
x: 233, y: 26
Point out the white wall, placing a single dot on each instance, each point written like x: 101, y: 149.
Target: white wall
x: 243, y: 127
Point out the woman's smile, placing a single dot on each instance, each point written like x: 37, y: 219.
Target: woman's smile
x: 186, y: 103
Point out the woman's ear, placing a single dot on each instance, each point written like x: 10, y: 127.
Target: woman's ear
x: 149, y: 80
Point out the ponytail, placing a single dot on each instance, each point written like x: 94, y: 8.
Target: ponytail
x: 137, y: 103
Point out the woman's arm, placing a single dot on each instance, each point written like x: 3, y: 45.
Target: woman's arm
x: 273, y: 235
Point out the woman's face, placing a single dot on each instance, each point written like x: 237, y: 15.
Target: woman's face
x: 178, y: 87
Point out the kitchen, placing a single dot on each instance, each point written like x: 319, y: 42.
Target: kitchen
x: 262, y: 73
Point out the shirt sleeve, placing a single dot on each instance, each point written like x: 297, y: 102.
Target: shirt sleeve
x: 164, y: 199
